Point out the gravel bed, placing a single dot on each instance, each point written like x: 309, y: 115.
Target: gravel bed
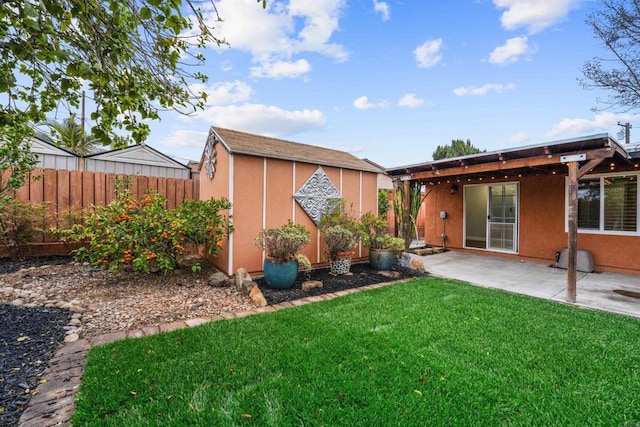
x: 45, y: 301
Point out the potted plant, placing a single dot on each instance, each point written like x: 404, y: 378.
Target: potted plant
x: 341, y: 233
x: 382, y: 246
x: 283, y: 260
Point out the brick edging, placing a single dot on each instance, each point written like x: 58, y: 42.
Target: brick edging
x: 53, y: 402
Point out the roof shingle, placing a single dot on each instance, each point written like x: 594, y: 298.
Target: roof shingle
x: 262, y: 146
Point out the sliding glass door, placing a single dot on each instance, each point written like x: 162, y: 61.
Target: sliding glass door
x: 491, y: 217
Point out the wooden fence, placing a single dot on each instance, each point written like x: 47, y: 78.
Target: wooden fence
x: 64, y: 190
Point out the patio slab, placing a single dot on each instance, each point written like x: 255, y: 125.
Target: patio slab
x: 594, y: 290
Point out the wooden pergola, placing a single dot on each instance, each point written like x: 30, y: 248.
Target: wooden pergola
x: 594, y: 154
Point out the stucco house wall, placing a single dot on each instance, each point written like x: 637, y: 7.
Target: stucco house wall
x: 542, y: 204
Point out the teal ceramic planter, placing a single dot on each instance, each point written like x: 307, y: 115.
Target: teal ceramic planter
x: 280, y: 275
x: 381, y: 259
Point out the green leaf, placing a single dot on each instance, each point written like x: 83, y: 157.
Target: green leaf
x: 145, y: 13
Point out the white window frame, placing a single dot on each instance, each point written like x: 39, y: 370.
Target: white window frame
x: 601, y: 229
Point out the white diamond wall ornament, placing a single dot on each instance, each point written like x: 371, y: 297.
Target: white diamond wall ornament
x: 315, y: 194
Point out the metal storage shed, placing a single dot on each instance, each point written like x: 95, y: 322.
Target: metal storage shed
x: 52, y: 157
x: 137, y: 160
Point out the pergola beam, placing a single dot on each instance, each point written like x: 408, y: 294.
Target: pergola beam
x: 529, y: 162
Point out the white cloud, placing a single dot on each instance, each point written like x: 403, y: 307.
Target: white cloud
x: 353, y: 149
x: 510, y: 52
x: 362, y: 103
x: 483, y: 90
x: 519, y: 138
x: 224, y: 93
x: 263, y: 119
x: 601, y: 122
x: 428, y: 53
x: 410, y: 100
x: 282, y: 69
x: 275, y: 34
x: 383, y: 8
x: 535, y: 15
x: 184, y: 138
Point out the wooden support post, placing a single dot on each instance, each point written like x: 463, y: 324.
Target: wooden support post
x: 573, y: 232
x: 406, y: 215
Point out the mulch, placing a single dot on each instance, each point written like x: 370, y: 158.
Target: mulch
x: 361, y: 275
x: 29, y: 338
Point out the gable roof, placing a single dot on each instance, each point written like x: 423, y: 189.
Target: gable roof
x: 262, y: 146
x: 138, y: 154
x: 40, y: 145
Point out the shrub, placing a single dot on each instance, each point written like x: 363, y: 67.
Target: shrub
x: 383, y: 202
x: 143, y: 234
x: 69, y: 227
x: 375, y: 233
x: 283, y: 243
x: 339, y: 239
x: 340, y: 229
x: 20, y: 223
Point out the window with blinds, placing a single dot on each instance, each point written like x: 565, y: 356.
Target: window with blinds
x: 608, y: 203
x: 620, y: 203
x: 589, y: 203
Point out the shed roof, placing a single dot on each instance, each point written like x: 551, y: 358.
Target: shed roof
x: 42, y: 145
x: 531, y: 156
x: 257, y: 145
x: 138, y: 154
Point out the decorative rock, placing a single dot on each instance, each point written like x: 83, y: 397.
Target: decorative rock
x: 71, y: 338
x: 74, y: 322
x: 257, y: 297
x: 392, y: 274
x: 247, y: 285
x: 310, y: 284
x: 77, y: 309
x: 241, y: 276
x: 417, y: 265
x: 405, y: 260
x: 17, y: 302
x: 219, y: 280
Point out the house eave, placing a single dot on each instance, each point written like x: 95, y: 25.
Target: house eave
x: 533, y: 156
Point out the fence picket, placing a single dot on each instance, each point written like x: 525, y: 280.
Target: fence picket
x: 67, y: 191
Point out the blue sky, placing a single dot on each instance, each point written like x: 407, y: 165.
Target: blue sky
x: 390, y: 80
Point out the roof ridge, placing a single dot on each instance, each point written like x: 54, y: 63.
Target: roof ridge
x: 265, y: 146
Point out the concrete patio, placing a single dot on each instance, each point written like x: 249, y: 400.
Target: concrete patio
x: 594, y: 290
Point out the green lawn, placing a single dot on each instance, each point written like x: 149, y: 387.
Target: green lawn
x: 426, y: 352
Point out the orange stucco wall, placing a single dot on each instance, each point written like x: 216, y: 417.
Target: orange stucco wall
x: 262, y: 196
x: 542, y: 229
